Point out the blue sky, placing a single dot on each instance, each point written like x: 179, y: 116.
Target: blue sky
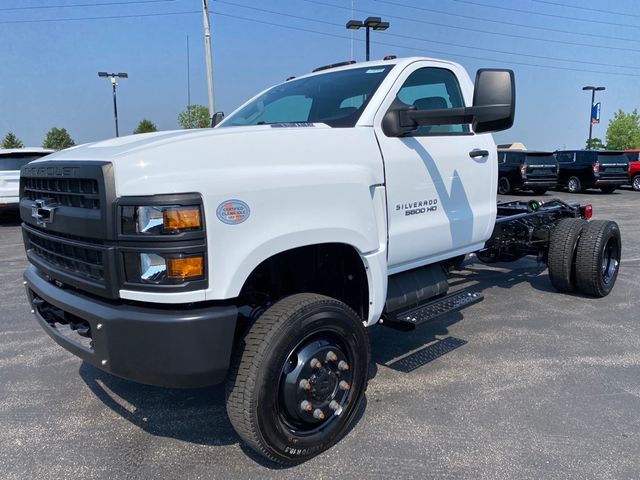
x: 49, y: 69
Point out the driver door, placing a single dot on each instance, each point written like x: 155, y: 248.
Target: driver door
x: 441, y: 201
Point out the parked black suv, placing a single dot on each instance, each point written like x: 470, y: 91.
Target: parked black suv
x: 582, y: 169
x: 526, y: 170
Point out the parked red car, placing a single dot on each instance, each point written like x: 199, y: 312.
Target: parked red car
x: 634, y: 168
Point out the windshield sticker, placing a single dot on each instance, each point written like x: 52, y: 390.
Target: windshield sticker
x: 233, y: 212
x: 292, y: 124
x: 375, y: 70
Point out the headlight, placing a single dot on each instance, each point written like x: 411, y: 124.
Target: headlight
x: 163, y: 269
x: 160, y: 220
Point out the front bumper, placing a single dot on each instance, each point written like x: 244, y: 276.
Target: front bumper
x: 168, y: 347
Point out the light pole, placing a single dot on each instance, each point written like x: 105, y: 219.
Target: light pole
x: 369, y: 23
x: 593, y: 99
x: 114, y: 84
x: 208, y: 59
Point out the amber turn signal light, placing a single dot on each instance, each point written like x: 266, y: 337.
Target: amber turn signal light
x: 182, y: 218
x: 187, y: 268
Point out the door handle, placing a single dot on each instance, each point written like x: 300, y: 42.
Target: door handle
x: 478, y: 153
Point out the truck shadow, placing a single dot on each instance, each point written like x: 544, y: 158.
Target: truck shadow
x: 196, y: 416
x: 192, y: 415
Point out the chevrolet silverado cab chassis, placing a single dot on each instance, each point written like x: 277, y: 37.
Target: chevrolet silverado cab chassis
x: 258, y: 251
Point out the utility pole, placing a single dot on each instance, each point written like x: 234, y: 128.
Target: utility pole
x: 208, y: 58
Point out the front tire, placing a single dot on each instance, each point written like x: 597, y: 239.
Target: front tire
x: 598, y: 258
x: 298, y: 378
x: 635, y: 183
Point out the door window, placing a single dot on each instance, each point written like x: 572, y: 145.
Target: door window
x: 430, y: 89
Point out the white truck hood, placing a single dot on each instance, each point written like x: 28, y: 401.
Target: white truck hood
x: 228, y: 160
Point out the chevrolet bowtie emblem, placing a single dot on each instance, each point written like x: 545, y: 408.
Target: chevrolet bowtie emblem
x: 43, y: 212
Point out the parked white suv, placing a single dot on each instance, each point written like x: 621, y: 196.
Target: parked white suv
x: 11, y: 161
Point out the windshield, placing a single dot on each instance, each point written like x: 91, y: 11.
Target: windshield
x: 336, y: 99
x: 16, y: 162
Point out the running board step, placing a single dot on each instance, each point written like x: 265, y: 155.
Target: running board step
x: 437, y: 308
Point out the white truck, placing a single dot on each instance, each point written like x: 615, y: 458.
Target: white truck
x: 258, y: 251
x: 11, y: 161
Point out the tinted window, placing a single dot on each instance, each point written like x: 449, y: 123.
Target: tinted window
x: 336, y: 98
x: 541, y: 159
x: 432, y: 89
x: 564, y: 157
x: 16, y: 162
x: 515, y: 157
x: 633, y: 156
x: 585, y: 157
x: 612, y: 158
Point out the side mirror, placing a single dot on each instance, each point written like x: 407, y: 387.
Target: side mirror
x: 493, y: 110
x: 217, y: 118
x: 494, y: 100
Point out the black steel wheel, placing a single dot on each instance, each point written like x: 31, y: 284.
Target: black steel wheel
x: 504, y: 186
x: 635, y: 183
x: 598, y: 258
x: 562, y: 253
x: 574, y: 185
x: 298, y: 378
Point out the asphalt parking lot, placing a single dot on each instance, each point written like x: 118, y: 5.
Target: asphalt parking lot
x: 547, y: 385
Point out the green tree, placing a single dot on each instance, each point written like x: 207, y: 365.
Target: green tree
x: 11, y: 141
x: 623, y: 132
x: 596, y: 144
x: 58, y: 139
x: 195, y: 116
x: 145, y: 126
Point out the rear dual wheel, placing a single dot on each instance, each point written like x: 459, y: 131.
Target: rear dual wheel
x: 598, y: 258
x: 584, y: 256
x: 298, y: 377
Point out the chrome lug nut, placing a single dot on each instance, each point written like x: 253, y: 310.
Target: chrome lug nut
x: 342, y: 365
x: 315, y: 363
x: 344, y: 385
x: 306, y: 406
x: 331, y: 357
x: 304, y: 384
x: 334, y: 405
x: 318, y: 414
